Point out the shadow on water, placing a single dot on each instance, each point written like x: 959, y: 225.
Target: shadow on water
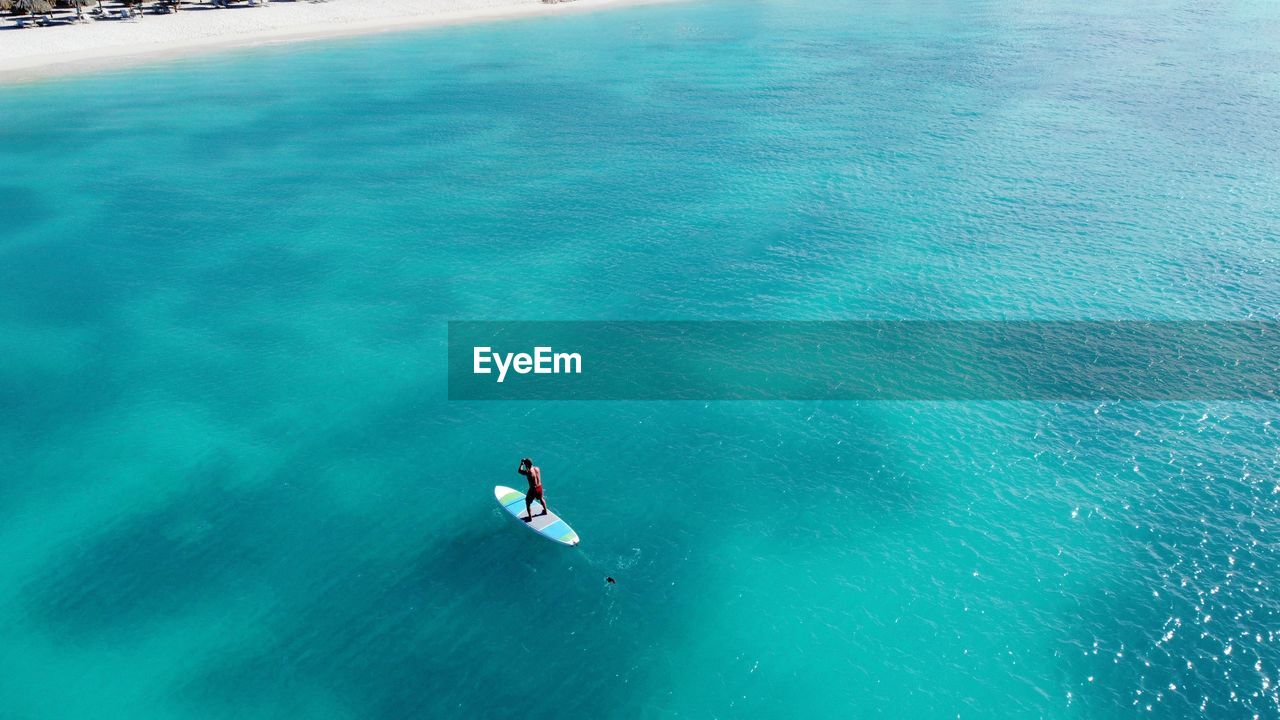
x: 51, y: 283
x: 486, y: 618
x: 157, y: 565
x: 24, y: 208
x: 476, y: 614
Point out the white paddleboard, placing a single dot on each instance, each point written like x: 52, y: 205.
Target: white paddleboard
x: 549, y: 526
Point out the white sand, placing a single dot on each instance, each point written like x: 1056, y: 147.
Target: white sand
x: 38, y: 52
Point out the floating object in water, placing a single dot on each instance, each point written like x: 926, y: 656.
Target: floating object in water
x: 549, y: 526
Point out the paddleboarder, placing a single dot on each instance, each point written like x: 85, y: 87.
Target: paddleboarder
x: 534, y: 475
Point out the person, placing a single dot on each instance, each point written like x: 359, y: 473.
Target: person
x: 534, y: 474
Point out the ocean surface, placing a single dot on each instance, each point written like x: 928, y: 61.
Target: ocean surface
x: 231, y: 484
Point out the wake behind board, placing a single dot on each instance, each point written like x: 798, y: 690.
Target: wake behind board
x: 549, y: 526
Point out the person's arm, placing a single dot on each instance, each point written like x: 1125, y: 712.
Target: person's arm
x: 521, y: 469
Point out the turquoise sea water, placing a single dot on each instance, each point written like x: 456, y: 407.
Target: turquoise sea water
x: 232, y: 486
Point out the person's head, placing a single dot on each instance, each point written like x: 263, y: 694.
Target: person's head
x: 527, y: 462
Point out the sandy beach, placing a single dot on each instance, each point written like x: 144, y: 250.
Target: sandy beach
x: 33, y: 53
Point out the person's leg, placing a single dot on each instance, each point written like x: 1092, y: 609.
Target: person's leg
x: 528, y: 507
x: 543, y: 499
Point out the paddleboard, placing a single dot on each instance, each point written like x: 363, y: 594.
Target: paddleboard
x: 549, y: 526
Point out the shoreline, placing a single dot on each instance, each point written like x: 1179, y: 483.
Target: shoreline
x: 32, y: 64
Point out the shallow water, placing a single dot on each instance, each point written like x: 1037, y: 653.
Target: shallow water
x: 233, y: 486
